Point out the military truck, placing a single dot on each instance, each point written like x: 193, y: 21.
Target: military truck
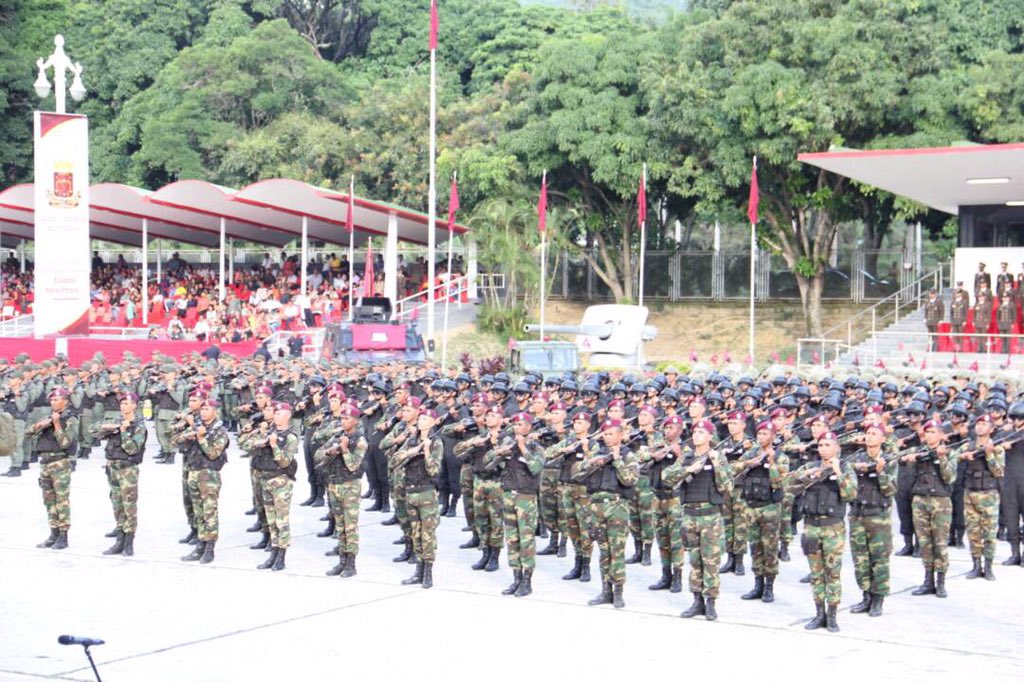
x: 546, y: 357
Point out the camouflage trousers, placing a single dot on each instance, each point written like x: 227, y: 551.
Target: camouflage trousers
x: 609, y: 518
x: 399, y: 495
x: 343, y: 499
x: 162, y: 437
x: 576, y: 512
x: 487, y: 512
x: 785, y: 518
x: 186, y: 498
x: 276, y: 492
x: 124, y: 495
x: 55, y: 480
x: 521, y: 528
x: 981, y: 508
x: 424, y: 515
x: 641, y: 512
x: 932, y: 518
x: 823, y: 547
x: 736, y: 520
x: 466, y: 489
x: 763, y: 533
x: 204, y: 491
x: 18, y: 454
x: 550, y: 510
x: 257, y: 496
x: 86, y: 439
x: 870, y: 546
x: 702, y: 538
x: 667, y: 523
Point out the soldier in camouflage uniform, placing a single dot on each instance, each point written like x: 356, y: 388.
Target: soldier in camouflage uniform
x: 16, y: 404
x: 341, y: 464
x: 611, y: 473
x: 56, y: 440
x: 758, y: 477
x: 126, y: 443
x: 487, y: 494
x: 734, y: 511
x: 641, y: 508
x: 705, y: 478
x: 573, y: 497
x: 654, y: 459
x: 478, y: 408
x: 986, y: 464
x: 934, y: 472
x: 204, y: 445
x: 421, y: 458
x: 871, y: 521
x: 552, y: 513
x: 934, y: 311
x: 277, y: 479
x: 167, y: 398
x: 520, y: 460
x: 828, y: 487
x: 390, y: 445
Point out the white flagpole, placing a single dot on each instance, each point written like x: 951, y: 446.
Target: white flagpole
x: 543, y: 261
x: 447, y: 298
x: 432, y: 198
x: 643, y: 242
x: 351, y: 246
x: 753, y: 263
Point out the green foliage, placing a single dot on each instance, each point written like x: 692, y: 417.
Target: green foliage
x: 504, y: 322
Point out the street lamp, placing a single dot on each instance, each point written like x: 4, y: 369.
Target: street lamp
x: 60, y: 64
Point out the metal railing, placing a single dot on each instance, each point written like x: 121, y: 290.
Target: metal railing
x: 407, y: 306
x: 20, y: 326
x: 119, y: 332
x: 312, y: 345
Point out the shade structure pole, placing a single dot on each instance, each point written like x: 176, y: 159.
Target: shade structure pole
x: 231, y: 259
x: 432, y: 198
x: 305, y: 253
x: 145, y: 272
x: 391, y: 260
x: 221, y: 260
x: 22, y: 245
x: 159, y: 264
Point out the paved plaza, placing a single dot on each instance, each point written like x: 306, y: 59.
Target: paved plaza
x: 167, y: 620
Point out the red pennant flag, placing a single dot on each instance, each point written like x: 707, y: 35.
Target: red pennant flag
x: 727, y: 357
x: 433, y: 24
x: 693, y: 356
x: 900, y: 346
x: 714, y: 359
x: 910, y: 358
x: 974, y: 366
x: 368, y: 271
x: 790, y: 361
x: 641, y: 202
x: 856, y: 361
x: 879, y: 364
x: 956, y: 363
x: 453, y: 205
x: 542, y: 206
x: 750, y: 361
x: 776, y: 357
x: 511, y: 343
x: 815, y: 358
x: 924, y: 363
x: 350, y: 222
x: 754, y: 200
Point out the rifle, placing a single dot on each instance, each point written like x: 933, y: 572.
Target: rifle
x: 1007, y: 438
x: 802, y: 479
x: 692, y: 460
x: 105, y: 429
x: 751, y: 462
x: 498, y: 454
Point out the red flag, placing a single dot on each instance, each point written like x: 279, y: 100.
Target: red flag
x: 879, y: 364
x: 974, y: 366
x: 542, y: 206
x: 790, y: 360
x: 754, y: 194
x: 693, y: 355
x: 433, y: 24
x: 856, y: 361
x: 714, y: 359
x: 350, y: 221
x: 924, y: 363
x: 453, y: 205
x: 727, y: 357
x: 956, y: 363
x: 641, y: 202
x: 368, y: 272
x: 815, y: 358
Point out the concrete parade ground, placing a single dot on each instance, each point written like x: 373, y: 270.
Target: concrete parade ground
x: 163, y: 619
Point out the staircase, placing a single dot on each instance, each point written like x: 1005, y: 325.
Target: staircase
x: 902, y: 340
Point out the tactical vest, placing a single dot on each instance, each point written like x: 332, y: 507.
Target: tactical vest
x: 111, y: 402
x: 821, y: 503
x: 47, y: 440
x: 416, y: 470
x: 196, y: 459
x: 701, y: 488
x: 732, y: 449
x: 757, y: 488
x: 568, y: 462
x: 262, y: 458
x: 928, y: 481
x: 265, y: 461
x: 10, y: 406
x: 516, y: 477
x: 606, y: 480
x: 870, y: 500
x: 337, y: 472
x: 115, y: 452
x: 978, y: 476
x: 658, y: 484
x: 478, y: 462
x: 165, y: 401
x: 43, y: 399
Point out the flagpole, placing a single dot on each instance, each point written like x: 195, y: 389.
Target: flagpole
x: 643, y: 236
x: 753, y: 264
x: 432, y: 189
x: 351, y: 246
x: 543, y: 262
x: 448, y: 293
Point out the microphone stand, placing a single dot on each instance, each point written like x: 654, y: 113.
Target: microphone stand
x: 89, y: 656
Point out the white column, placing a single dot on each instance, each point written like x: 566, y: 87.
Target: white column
x: 231, y: 259
x: 159, y: 264
x: 221, y: 257
x: 391, y: 261
x: 22, y: 245
x: 305, y: 252
x: 471, y: 267
x: 145, y: 272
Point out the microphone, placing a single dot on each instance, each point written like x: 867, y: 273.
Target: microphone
x: 84, y: 641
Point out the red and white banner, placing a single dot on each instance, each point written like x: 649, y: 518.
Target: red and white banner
x: 62, y: 224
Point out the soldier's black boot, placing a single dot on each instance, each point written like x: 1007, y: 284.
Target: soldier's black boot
x: 1000, y: 532
x: 645, y: 560
x: 617, y: 597
x: 989, y: 575
x: 329, y: 530
x: 264, y: 541
x: 350, y: 567
x: 562, y: 546
x: 729, y: 565
x: 472, y: 543
x: 208, y: 552
x: 739, y: 570
x: 385, y: 505
x: 270, y: 559
x: 552, y: 547
x: 169, y: 459
x: 333, y: 551
x: 428, y: 575
x: 406, y: 553
x: 256, y: 527
x: 709, y: 609
x: 445, y: 505
x: 318, y: 501
x: 189, y: 539
x: 975, y: 571
x: 604, y: 598
x: 677, y: 581
x: 696, y: 608
x: 251, y: 511
x: 863, y: 606
x: 769, y: 589
x: 368, y: 494
x: 390, y: 521
x: 917, y: 547
x: 929, y: 585
x: 13, y: 472
x: 342, y: 563
x: 526, y: 586
x: 129, y: 545
x: 876, y: 605
x: 517, y: 577
x: 492, y: 561
x: 758, y: 590
x: 577, y: 568
x: 417, y: 577
x: 484, y: 558
x: 377, y: 503
x: 118, y: 545
x: 112, y: 534
x: 638, y: 552
x: 951, y: 541
x: 783, y: 551
x: 585, y: 569
x: 197, y: 552
x: 1014, y: 559
x: 453, y: 506
x: 62, y: 540
x: 279, y: 560
x: 48, y: 542
x: 830, y: 619
x: 312, y: 496
x: 806, y: 580
x: 959, y: 542
x: 908, y: 546
x: 542, y: 529
x: 666, y: 579
x: 940, y: 585
x: 819, y: 618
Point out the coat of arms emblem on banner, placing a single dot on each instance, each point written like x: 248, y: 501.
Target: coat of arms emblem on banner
x: 63, y: 194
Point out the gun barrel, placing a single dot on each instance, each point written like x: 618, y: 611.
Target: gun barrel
x: 602, y: 331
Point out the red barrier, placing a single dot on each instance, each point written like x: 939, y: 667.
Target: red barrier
x: 37, y: 349
x: 82, y: 349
